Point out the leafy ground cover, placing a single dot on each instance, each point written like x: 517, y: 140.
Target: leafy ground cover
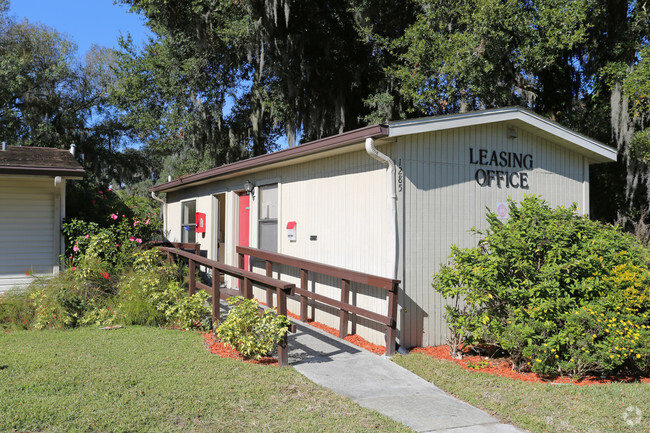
x: 540, y: 407
x: 148, y: 379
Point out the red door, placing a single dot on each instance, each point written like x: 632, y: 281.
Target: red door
x: 244, y: 223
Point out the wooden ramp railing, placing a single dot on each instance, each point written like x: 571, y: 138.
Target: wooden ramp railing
x: 344, y: 306
x: 248, y: 279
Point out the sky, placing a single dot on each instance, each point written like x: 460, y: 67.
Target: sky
x: 86, y: 22
x: 89, y: 22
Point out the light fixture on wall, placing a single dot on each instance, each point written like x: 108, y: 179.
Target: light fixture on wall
x: 248, y: 186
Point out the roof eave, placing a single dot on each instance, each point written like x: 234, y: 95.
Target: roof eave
x: 312, y: 148
x: 77, y: 173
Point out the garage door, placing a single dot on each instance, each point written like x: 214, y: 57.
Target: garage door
x: 28, y: 237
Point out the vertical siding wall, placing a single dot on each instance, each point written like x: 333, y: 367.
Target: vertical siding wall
x: 30, y: 229
x: 440, y: 201
x: 341, y: 200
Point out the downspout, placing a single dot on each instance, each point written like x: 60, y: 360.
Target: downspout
x: 164, y: 211
x: 391, y: 201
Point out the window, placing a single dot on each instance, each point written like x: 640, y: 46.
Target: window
x: 188, y: 221
x: 268, y: 218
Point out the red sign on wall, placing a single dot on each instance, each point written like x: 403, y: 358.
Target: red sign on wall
x: 200, y: 222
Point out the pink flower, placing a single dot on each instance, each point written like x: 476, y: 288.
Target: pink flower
x: 146, y: 222
x: 131, y: 238
x: 75, y: 248
x: 93, y: 201
x: 86, y: 237
x: 135, y: 223
x: 139, y: 240
x: 100, y: 192
x: 122, y: 215
x: 114, y: 216
x: 74, y: 268
x: 108, y: 190
x: 117, y: 245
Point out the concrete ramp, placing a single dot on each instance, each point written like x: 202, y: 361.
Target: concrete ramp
x: 379, y: 384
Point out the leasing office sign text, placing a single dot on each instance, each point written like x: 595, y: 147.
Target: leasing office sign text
x: 501, y: 168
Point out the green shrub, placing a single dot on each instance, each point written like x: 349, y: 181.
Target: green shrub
x: 62, y: 301
x: 150, y: 295
x: 147, y: 294
x: 16, y: 310
x: 253, y: 333
x: 136, y: 302
x: 187, y: 312
x: 561, y: 294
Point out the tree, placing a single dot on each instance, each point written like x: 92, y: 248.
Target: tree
x: 281, y: 68
x: 49, y: 98
x: 475, y: 54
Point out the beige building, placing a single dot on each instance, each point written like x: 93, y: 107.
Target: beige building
x: 32, y: 207
x: 387, y: 200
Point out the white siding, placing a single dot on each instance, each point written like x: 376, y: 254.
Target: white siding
x: 441, y: 201
x: 29, y: 229
x: 341, y: 200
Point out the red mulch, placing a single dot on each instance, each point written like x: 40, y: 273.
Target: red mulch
x: 502, y: 367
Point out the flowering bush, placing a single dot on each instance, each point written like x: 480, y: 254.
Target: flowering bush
x: 558, y: 292
x: 147, y: 294
x: 124, y: 224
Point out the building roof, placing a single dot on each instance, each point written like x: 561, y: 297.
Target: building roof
x: 43, y: 161
x: 516, y: 116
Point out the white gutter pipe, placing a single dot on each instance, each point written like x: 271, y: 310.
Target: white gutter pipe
x: 391, y: 201
x: 164, y: 211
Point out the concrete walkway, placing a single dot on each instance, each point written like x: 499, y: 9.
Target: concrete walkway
x: 378, y: 383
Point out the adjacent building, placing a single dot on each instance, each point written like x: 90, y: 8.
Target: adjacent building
x: 32, y: 207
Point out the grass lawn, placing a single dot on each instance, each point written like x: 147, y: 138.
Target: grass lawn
x: 541, y: 407
x: 140, y: 379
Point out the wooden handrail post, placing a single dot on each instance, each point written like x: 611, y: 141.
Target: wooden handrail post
x: 216, y: 296
x: 240, y: 282
x: 269, y: 292
x: 304, y: 284
x: 247, y: 289
x: 283, y: 351
x: 391, y: 330
x: 192, y: 278
x: 344, y: 316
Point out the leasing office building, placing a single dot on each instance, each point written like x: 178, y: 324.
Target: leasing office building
x: 387, y: 200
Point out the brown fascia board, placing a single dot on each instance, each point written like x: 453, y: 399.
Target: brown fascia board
x: 322, y: 145
x: 43, y: 171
